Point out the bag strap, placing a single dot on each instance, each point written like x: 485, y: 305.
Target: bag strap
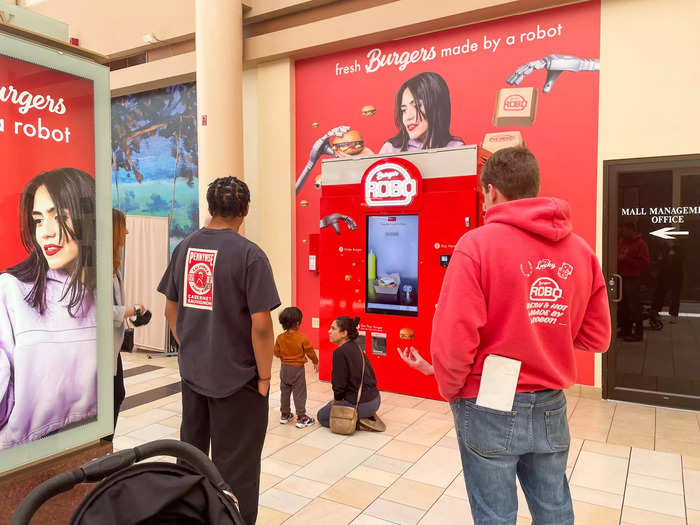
x: 362, y: 378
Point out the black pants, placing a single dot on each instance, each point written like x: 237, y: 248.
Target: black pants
x: 236, y: 426
x: 119, y: 393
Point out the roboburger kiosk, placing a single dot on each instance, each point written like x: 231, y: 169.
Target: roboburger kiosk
x: 400, y: 218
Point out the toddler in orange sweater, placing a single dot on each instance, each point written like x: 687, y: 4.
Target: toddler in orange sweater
x: 293, y: 347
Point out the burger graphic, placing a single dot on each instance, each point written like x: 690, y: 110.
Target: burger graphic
x: 406, y: 333
x: 368, y: 111
x: 351, y: 143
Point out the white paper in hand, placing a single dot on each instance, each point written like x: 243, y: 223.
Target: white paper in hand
x: 499, y: 379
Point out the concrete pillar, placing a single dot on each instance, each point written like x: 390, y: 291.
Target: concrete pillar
x: 219, y: 41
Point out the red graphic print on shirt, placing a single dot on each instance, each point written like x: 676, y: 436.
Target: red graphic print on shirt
x: 199, y: 278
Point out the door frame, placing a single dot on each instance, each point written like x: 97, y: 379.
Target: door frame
x: 611, y: 171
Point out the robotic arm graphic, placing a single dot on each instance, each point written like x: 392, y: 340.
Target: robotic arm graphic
x: 334, y: 218
x: 320, y: 147
x: 555, y: 66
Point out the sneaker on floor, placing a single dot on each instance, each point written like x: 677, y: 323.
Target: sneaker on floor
x: 674, y: 319
x: 305, y: 421
x: 286, y: 418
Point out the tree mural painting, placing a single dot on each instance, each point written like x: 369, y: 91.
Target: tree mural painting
x: 154, y: 144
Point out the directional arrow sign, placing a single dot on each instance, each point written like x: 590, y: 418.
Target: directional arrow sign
x: 667, y: 233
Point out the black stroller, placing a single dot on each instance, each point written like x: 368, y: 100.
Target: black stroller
x: 147, y: 493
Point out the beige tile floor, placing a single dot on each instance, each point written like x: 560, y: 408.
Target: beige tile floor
x: 628, y: 464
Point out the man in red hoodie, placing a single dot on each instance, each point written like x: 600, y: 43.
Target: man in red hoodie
x: 523, y: 287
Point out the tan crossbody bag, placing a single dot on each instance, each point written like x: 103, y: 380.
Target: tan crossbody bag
x: 344, y: 418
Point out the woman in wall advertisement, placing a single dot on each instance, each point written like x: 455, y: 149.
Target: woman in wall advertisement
x: 422, y: 115
x: 48, y: 363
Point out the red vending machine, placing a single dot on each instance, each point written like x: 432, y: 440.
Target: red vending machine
x: 389, y: 224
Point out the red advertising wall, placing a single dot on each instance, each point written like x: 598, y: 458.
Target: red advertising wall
x: 35, y: 140
x: 558, y: 47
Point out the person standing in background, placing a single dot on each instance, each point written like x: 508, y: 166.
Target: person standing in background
x: 220, y: 291
x: 633, y: 265
x: 121, y: 312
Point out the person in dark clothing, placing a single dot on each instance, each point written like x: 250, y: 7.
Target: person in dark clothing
x: 632, y: 264
x: 347, y: 373
x: 670, y: 279
x: 220, y: 291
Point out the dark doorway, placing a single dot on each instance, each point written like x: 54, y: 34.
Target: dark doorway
x: 651, y: 262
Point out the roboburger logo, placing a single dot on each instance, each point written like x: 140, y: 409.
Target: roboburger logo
x: 545, y: 289
x: 391, y: 184
x: 514, y: 103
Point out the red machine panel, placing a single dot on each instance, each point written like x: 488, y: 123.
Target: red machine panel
x: 389, y: 226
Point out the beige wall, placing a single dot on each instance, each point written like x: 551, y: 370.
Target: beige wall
x: 251, y: 169
x: 649, y: 77
x: 272, y: 216
x: 278, y: 28
x: 379, y: 23
x: 117, y: 28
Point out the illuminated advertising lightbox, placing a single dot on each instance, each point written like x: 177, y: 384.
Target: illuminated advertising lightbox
x: 55, y: 265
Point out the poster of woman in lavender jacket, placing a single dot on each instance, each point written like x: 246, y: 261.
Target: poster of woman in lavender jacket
x: 48, y: 358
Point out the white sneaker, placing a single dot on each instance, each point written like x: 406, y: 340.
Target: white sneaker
x: 305, y: 421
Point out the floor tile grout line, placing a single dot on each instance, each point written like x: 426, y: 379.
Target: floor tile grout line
x: 441, y: 495
x: 578, y: 455
x: 685, y: 501
x: 657, y: 477
x: 655, y: 427
x: 624, y: 491
x: 607, y: 434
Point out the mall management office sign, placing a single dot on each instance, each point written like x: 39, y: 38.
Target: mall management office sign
x: 664, y: 215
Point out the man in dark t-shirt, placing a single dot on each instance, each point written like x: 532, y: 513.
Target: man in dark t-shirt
x: 220, y: 291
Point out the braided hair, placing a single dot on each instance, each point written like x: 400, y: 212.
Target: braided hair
x: 228, y: 197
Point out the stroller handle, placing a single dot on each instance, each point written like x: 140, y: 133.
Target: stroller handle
x: 190, y: 454
x: 100, y: 468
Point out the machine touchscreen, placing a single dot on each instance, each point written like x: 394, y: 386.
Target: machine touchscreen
x: 392, y: 265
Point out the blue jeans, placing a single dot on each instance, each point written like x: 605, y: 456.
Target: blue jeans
x: 532, y: 442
